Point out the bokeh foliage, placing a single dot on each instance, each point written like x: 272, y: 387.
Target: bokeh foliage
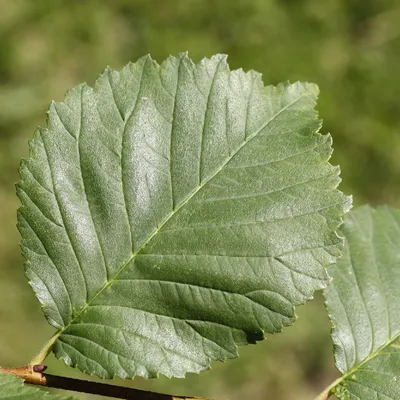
x: 350, y: 48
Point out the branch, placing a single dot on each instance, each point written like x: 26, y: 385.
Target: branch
x: 34, y: 375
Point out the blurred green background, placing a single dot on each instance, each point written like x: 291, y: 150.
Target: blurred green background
x: 350, y: 48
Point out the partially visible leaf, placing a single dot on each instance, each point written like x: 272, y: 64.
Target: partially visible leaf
x: 363, y: 303
x: 174, y: 212
x: 13, y: 388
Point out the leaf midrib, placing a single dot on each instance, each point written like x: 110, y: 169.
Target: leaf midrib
x: 357, y: 368
x: 134, y: 254
x: 329, y: 390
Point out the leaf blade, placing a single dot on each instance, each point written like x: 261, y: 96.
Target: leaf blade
x: 363, y: 304
x: 181, y: 199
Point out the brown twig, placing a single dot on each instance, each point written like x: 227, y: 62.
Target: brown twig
x: 29, y: 374
x: 34, y: 376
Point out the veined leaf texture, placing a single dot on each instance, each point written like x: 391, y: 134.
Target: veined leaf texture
x: 173, y: 212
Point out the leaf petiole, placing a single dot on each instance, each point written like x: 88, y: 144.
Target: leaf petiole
x: 45, y: 351
x: 327, y: 392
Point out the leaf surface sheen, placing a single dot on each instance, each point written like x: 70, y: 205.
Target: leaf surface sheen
x: 174, y: 212
x: 363, y: 303
x: 13, y: 388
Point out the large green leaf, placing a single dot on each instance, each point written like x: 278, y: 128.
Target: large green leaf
x: 13, y: 388
x: 364, y: 306
x: 174, y: 212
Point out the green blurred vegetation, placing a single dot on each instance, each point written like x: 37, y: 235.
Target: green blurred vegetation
x: 351, y: 48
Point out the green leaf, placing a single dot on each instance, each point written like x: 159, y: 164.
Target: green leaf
x: 13, y: 388
x: 364, y: 306
x: 174, y: 212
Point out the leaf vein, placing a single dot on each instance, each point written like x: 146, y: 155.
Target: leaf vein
x: 78, y: 148
x: 61, y: 212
